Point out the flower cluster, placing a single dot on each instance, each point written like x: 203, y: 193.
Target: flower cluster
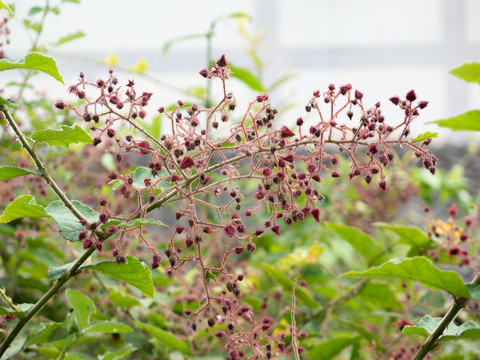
x: 207, y: 155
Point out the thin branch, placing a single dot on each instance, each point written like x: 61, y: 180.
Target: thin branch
x: 294, y: 323
x: 429, y: 344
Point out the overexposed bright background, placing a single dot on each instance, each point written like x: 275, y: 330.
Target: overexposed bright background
x: 383, y: 48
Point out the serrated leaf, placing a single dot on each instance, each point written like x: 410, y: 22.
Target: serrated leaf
x: 247, y: 78
x: 70, y: 37
x: 23, y: 206
x: 469, y: 72
x: 280, y: 278
x: 15, y: 347
x: 123, y: 300
x: 171, y: 42
x: 331, y: 348
x: 109, y: 327
x: 64, y: 136
x: 418, y: 268
x: 134, y: 272
x: 119, y: 354
x: 68, y: 224
x: 468, y: 330
x: 360, y: 241
x: 22, y: 309
x: 170, y: 341
x: 56, y: 272
x: 409, y: 235
x: 424, y: 136
x: 33, y: 61
x: 470, y: 121
x: 8, y: 103
x: 83, y: 307
x: 8, y: 172
x: 5, y: 6
x: 140, y: 66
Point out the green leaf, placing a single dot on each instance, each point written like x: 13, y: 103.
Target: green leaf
x: 331, y: 348
x: 15, y: 347
x: 470, y: 121
x: 170, y: 341
x: 42, y: 333
x: 23, y: 206
x: 134, y: 272
x: 468, y: 330
x: 141, y: 173
x: 63, y: 137
x: 469, y: 72
x: 70, y: 37
x: 418, y: 268
x: 451, y: 357
x: 8, y: 103
x: 119, y: 354
x: 123, y: 300
x: 5, y: 6
x: 247, y: 78
x: 56, y: 272
x: 171, y: 42
x: 287, y: 285
x: 360, y: 241
x: 83, y: 307
x: 141, y: 222
x: 424, y: 136
x: 474, y: 290
x: 209, y: 276
x: 22, y: 309
x: 34, y: 10
x: 379, y: 294
x: 109, y: 327
x: 409, y: 235
x: 68, y: 224
x: 33, y: 61
x: 8, y: 172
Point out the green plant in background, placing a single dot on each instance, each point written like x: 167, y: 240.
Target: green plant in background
x: 234, y: 285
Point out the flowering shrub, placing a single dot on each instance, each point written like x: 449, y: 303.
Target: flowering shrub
x: 242, y: 194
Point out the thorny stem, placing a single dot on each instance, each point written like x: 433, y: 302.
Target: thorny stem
x: 429, y: 344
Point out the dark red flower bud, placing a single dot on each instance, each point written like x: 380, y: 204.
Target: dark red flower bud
x: 111, y: 133
x: 395, y: 100
x: 186, y: 162
x: 299, y: 121
x: 276, y: 229
x: 335, y: 174
x: 229, y: 230
x: 112, y: 175
x: 142, y: 114
x: 453, y: 210
x: 259, y: 232
x: 286, y: 132
x: 111, y: 229
x: 422, y: 104
x: 96, y: 141
x: 316, y: 214
x: 222, y: 61
x: 239, y: 250
x: 383, y: 185
x: 358, y: 95
x: 266, y: 172
x: 373, y: 148
x: 251, y: 247
x: 411, y: 96
x: 60, y: 105
x: 82, y: 235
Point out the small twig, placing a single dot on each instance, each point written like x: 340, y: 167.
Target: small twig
x: 7, y: 299
x: 294, y: 323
